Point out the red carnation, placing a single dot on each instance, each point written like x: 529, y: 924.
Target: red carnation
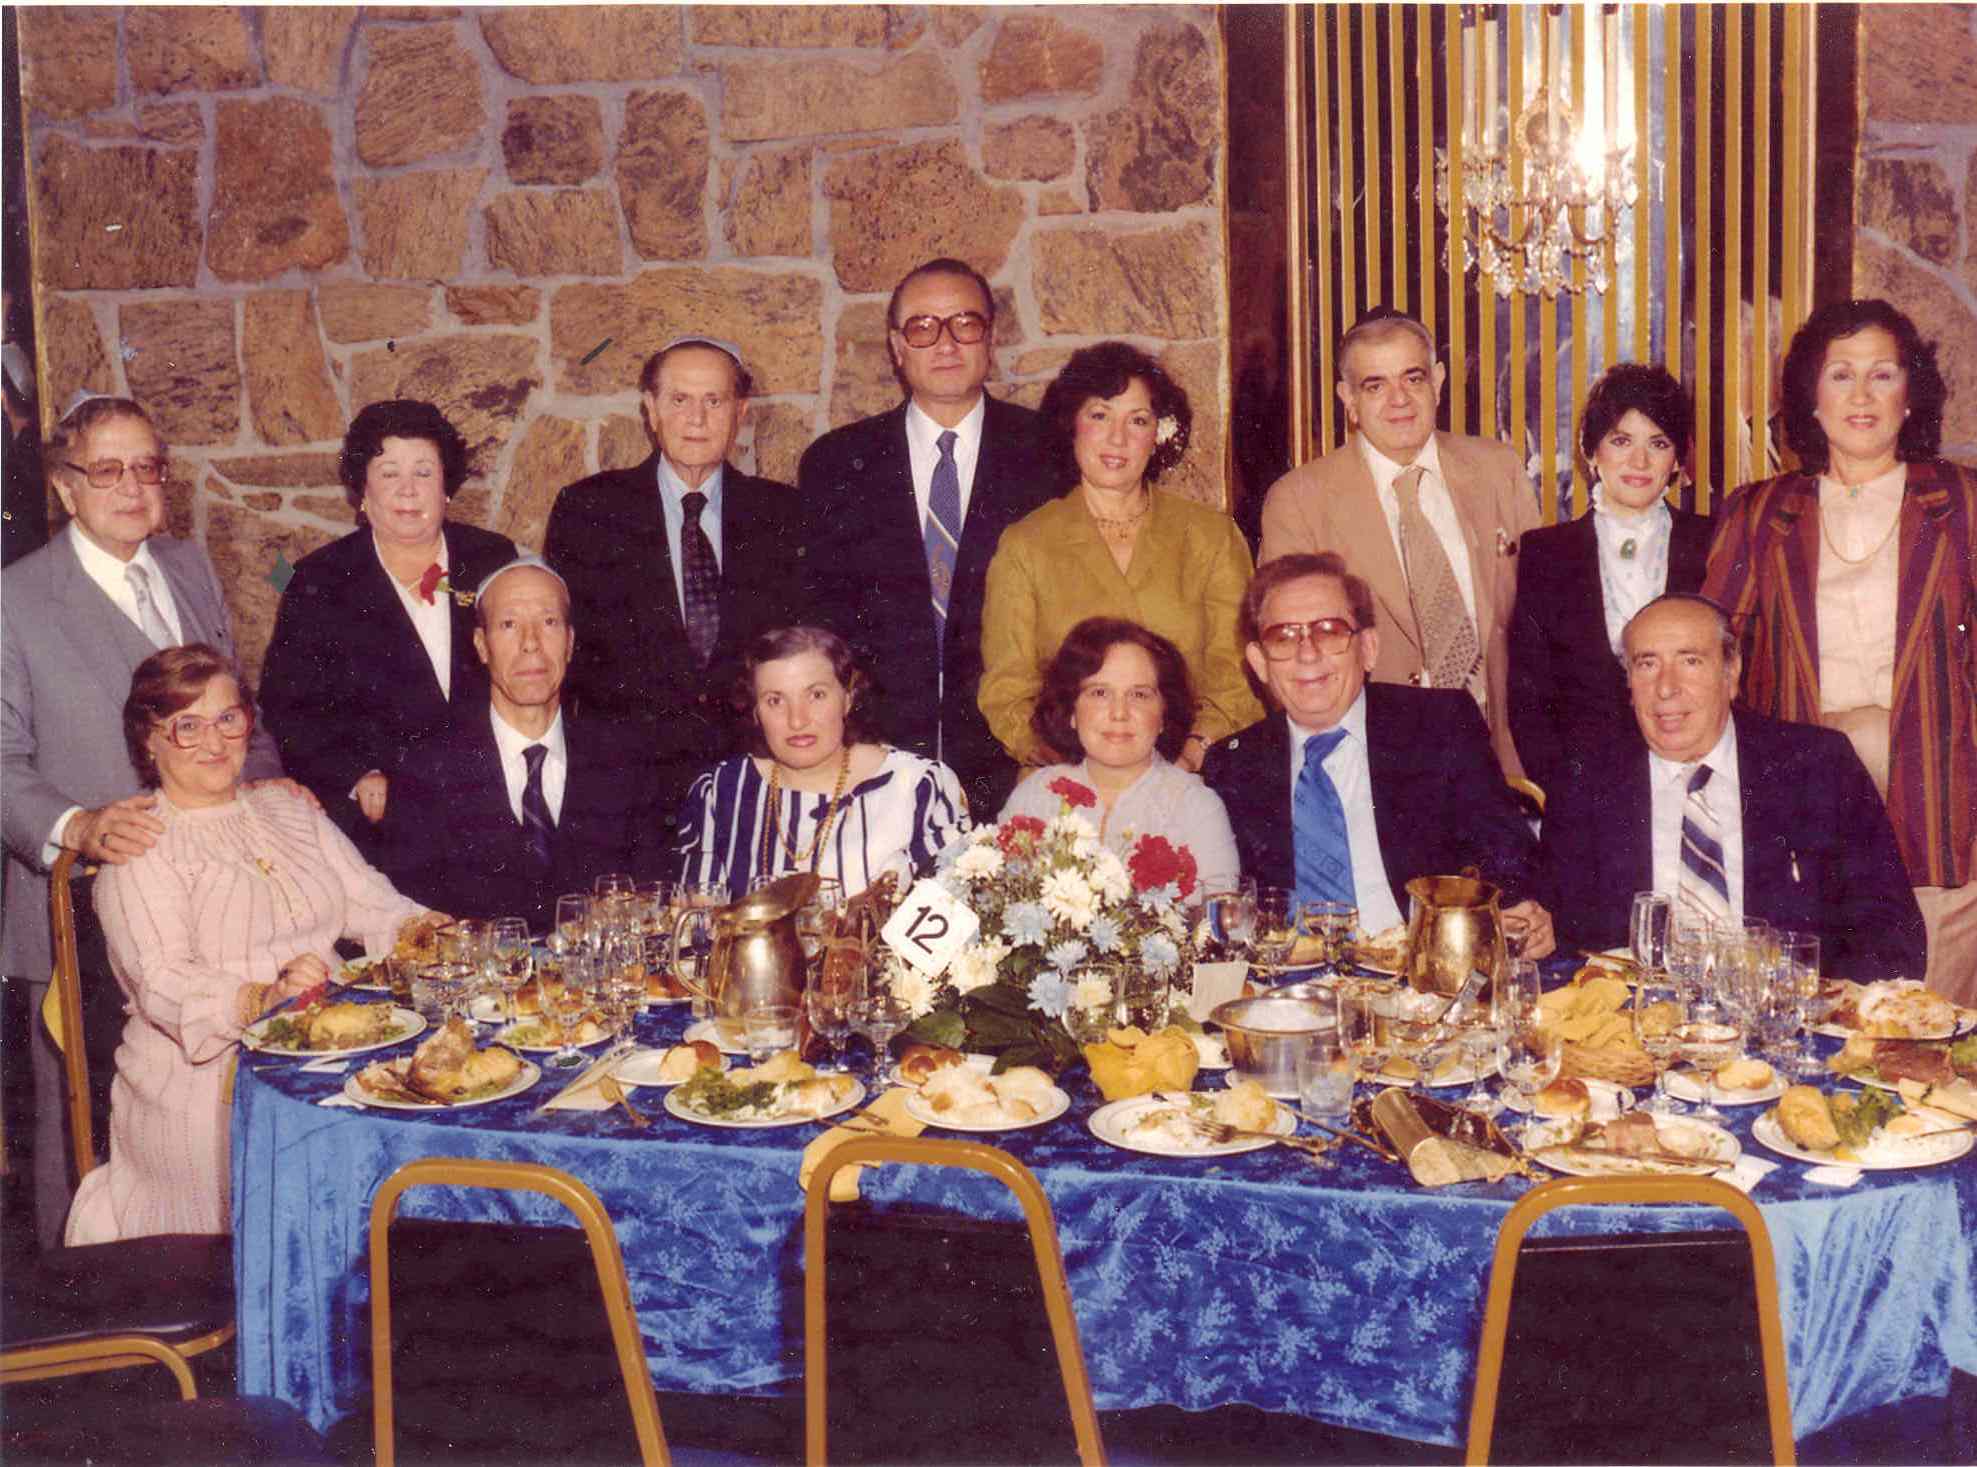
x: 1018, y: 834
x: 1156, y: 862
x: 429, y: 581
x: 1072, y: 793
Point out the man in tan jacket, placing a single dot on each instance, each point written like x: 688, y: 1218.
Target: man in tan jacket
x: 1445, y: 591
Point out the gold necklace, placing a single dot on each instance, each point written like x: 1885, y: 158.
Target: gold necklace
x: 1827, y: 535
x: 773, y: 813
x: 1126, y: 522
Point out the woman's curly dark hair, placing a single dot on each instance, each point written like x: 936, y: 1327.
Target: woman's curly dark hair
x: 1104, y: 371
x: 1081, y: 654
x: 781, y: 642
x: 399, y: 417
x: 1921, y: 431
x: 1636, y: 387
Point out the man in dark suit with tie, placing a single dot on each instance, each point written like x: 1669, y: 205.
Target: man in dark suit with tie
x: 1354, y: 788
x: 516, y: 803
x: 1731, y: 815
x: 904, y: 511
x: 675, y: 565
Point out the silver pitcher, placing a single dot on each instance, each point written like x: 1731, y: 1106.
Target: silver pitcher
x: 754, y: 956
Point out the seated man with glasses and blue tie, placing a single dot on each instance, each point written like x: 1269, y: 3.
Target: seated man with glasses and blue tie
x: 1730, y: 814
x: 1353, y: 788
x: 521, y: 800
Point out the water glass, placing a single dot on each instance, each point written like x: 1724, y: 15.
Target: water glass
x: 1799, y: 961
x: 770, y: 1029
x: 572, y: 929
x: 1232, y: 918
x: 567, y: 1005
x: 1333, y: 925
x: 1687, y: 955
x: 1529, y: 1055
x: 879, y: 1016
x: 1660, y: 1007
x: 1324, y: 1076
x: 1093, y: 1009
x: 1363, y: 1024
x: 509, y: 960
x: 1647, y: 930
x: 1276, y: 927
x: 829, y: 1011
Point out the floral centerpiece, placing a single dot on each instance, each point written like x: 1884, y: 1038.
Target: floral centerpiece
x: 1050, y: 896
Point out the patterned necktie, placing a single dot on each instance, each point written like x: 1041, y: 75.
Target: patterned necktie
x: 700, y: 579
x: 1323, y: 852
x: 538, y: 825
x: 149, y: 618
x: 1703, y: 885
x: 943, y: 529
x: 1450, y: 653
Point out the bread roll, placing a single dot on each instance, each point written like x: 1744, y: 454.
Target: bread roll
x: 1806, y: 1119
x: 1247, y: 1107
x: 786, y: 1066
x: 682, y: 1060
x: 919, y: 1061
x: 1745, y: 1074
x: 1564, y: 1097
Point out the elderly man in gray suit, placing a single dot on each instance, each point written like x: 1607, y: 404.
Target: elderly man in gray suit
x: 76, y: 618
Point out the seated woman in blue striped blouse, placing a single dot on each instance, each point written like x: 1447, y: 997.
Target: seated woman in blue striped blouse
x: 816, y: 795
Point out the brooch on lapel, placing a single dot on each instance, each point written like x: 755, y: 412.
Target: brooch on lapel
x: 1505, y: 546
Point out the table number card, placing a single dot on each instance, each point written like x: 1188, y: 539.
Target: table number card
x: 930, y: 927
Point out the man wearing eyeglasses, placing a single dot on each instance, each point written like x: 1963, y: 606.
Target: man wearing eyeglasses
x: 675, y: 564
x: 1431, y: 520
x: 904, y: 512
x: 1353, y: 789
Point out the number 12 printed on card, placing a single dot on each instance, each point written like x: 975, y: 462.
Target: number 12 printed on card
x: 930, y: 927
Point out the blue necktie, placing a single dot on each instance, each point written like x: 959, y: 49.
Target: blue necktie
x: 538, y: 825
x: 700, y: 579
x: 1323, y: 851
x: 1703, y: 883
x: 943, y: 529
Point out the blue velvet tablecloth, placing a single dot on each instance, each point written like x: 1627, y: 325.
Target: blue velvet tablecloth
x: 1348, y: 1295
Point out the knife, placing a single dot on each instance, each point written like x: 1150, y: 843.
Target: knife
x: 590, y: 1073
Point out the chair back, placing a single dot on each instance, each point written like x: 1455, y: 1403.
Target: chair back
x: 65, y: 1022
x: 1042, y: 1227
x: 513, y: 1176
x: 1634, y: 1191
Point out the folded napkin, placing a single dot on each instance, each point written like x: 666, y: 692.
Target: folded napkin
x: 1833, y: 1176
x: 887, y: 1112
x: 1747, y: 1173
x: 586, y: 1091
x: 340, y: 1101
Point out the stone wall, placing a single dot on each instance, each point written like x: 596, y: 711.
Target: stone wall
x: 1915, y: 191
x: 255, y: 221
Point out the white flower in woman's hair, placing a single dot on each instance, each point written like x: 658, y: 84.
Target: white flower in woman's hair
x: 1166, y: 428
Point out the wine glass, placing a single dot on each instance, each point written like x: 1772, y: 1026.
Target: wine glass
x: 1476, y: 1033
x: 879, y: 1016
x: 1333, y: 925
x: 509, y: 960
x: 621, y: 977
x: 1712, y: 1033
x: 1232, y: 918
x: 1659, y: 1009
x: 572, y: 930
x: 828, y: 1008
x: 770, y: 1029
x: 1094, y: 1007
x: 1363, y: 1023
x: 1799, y: 961
x: 1275, y: 932
x: 569, y: 1004
x: 1647, y: 929
x: 1529, y: 1055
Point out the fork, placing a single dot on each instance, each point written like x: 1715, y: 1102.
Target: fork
x: 613, y: 1091
x: 1221, y: 1133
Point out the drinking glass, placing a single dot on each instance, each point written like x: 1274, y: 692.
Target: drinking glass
x: 770, y: 1028
x: 1333, y: 924
x: 1144, y: 997
x: 613, y: 883
x: 567, y: 1005
x: 692, y: 895
x: 1647, y: 930
x: 829, y: 1011
x: 1276, y: 927
x: 1324, y: 1076
x: 1799, y: 961
x: 1363, y: 1025
x: 509, y: 961
x: 572, y: 930
x: 1477, y: 1034
x: 1687, y: 955
x: 1659, y: 1008
x: 1712, y: 1034
x: 621, y: 977
x: 1232, y: 918
x: 879, y: 1016
x: 1529, y: 1055
x: 1094, y: 1006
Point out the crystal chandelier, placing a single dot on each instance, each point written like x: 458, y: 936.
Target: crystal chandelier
x: 1525, y: 235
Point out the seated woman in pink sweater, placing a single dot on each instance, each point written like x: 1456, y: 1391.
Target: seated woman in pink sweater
x: 236, y: 908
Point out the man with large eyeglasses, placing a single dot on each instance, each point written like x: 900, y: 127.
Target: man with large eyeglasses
x: 1431, y: 520
x: 904, y: 511
x: 1351, y: 789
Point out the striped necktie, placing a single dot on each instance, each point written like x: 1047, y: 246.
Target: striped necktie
x: 1321, y: 848
x: 1704, y: 885
x: 1450, y: 654
x: 538, y: 825
x: 943, y: 529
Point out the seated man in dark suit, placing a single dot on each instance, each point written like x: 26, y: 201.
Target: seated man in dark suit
x: 674, y: 566
x: 1355, y: 788
x: 1731, y: 815
x: 515, y: 803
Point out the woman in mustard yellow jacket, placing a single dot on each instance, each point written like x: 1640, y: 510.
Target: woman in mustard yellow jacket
x: 1113, y: 545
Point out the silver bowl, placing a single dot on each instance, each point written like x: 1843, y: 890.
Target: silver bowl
x: 1267, y: 1034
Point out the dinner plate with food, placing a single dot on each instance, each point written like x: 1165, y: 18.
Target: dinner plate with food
x: 447, y: 1072
x: 364, y: 975
x: 332, y: 1028
x: 782, y: 1091
x: 672, y: 1066
x: 1888, y: 1062
x: 663, y: 990
x: 1167, y: 1123
x: 1383, y: 951
x: 545, y: 1036
x: 1572, y: 1098
x: 1452, y: 1069
x: 960, y: 1092
x: 1876, y: 1130
x: 1896, y: 1008
x: 1741, y: 1082
x: 1641, y: 1144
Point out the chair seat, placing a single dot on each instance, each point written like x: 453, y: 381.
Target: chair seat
x: 173, y: 1286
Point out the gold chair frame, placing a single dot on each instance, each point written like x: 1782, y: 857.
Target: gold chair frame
x: 1608, y: 1191
x: 970, y: 1156
x: 513, y: 1176
x: 107, y: 1352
